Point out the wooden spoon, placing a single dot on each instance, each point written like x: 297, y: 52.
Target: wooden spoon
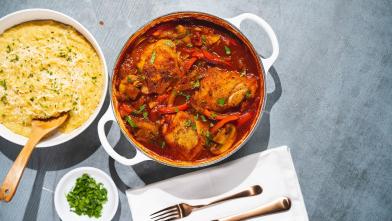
x: 40, y: 128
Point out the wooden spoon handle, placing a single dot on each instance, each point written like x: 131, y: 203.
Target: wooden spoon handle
x: 278, y: 205
x: 11, y: 181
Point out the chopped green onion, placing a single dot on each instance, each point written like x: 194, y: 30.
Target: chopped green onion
x: 163, y: 144
x: 203, y: 118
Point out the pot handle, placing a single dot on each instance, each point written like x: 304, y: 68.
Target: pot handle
x: 267, y: 62
x: 109, y: 116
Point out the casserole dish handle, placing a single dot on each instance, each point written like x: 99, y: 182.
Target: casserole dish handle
x: 267, y: 62
x: 109, y: 116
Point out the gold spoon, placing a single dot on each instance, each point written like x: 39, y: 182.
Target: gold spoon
x: 40, y: 128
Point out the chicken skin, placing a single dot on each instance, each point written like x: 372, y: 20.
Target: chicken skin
x: 159, y: 64
x: 146, y: 130
x: 221, y: 90
x: 185, y: 133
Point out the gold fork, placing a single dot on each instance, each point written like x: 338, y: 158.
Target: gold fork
x: 183, y: 210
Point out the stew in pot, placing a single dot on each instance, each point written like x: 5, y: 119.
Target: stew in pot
x: 187, y: 91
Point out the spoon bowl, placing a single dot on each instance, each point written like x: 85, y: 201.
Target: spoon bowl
x: 40, y: 129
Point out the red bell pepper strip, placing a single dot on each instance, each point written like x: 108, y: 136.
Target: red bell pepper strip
x: 214, y: 58
x: 162, y: 98
x: 243, y: 119
x: 208, y: 56
x: 214, y: 116
x: 229, y: 41
x: 125, y: 110
x: 221, y: 123
x: 171, y: 110
x: 188, y: 64
x: 198, y: 54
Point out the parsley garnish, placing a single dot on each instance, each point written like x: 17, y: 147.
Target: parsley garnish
x: 153, y: 55
x: 8, y: 49
x: 4, y: 99
x: 130, y: 122
x: 208, y: 138
x: 195, y: 84
x: 243, y: 73
x: 248, y: 94
x: 16, y: 58
x: 187, y: 96
x: 188, y: 123
x: 204, y: 39
x: 3, y: 84
x: 145, y: 115
x: 227, y: 50
x: 220, y: 101
x: 141, y: 109
x: 87, y: 197
x: 169, y: 43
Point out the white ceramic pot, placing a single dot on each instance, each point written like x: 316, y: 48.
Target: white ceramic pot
x: 141, y: 155
x: 18, y: 17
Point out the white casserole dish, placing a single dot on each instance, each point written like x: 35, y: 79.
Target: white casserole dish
x: 18, y: 17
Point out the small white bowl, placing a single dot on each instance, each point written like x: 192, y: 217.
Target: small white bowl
x: 18, y: 17
x: 68, y: 182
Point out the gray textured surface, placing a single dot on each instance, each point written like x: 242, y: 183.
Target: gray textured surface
x: 330, y: 100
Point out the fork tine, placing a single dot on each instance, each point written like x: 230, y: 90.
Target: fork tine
x: 163, y: 213
x: 172, y: 216
x: 167, y: 208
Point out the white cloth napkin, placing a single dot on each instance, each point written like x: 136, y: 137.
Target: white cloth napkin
x: 272, y: 169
